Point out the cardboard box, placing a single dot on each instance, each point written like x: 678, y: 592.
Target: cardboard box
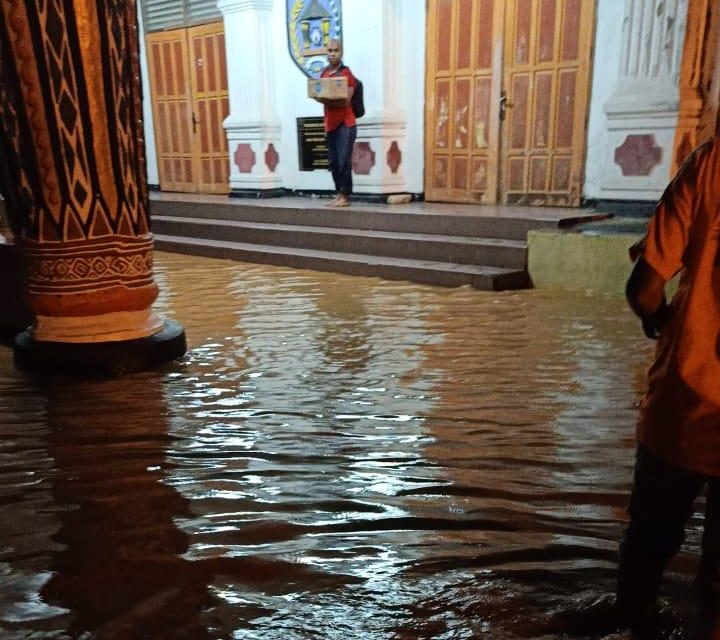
x: 330, y: 88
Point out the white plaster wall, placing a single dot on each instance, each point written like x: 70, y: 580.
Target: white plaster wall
x: 606, y: 74
x: 413, y: 96
x: 362, y: 35
x: 153, y: 177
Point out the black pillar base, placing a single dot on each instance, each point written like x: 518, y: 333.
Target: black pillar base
x: 113, y: 358
x: 15, y: 315
x: 258, y: 194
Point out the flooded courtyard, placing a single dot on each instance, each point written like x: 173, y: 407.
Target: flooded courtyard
x: 335, y: 457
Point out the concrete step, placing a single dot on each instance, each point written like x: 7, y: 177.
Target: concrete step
x: 417, y: 246
x: 367, y: 217
x: 422, y: 271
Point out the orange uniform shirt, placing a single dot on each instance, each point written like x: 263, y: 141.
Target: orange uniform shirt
x: 680, y: 414
x: 335, y: 116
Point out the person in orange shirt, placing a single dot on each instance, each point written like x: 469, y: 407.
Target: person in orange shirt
x: 340, y: 127
x: 678, y: 430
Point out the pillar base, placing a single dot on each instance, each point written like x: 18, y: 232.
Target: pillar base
x: 114, y: 358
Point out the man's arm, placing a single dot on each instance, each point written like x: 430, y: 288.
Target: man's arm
x: 337, y: 102
x: 645, y: 292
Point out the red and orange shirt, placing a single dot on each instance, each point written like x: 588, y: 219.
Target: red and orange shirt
x: 680, y: 414
x: 335, y: 116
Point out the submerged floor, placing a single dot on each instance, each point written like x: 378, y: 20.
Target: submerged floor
x: 335, y: 457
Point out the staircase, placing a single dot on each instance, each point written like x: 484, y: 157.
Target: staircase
x: 439, y: 245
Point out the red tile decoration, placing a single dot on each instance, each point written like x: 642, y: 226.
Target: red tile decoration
x: 638, y: 155
x: 363, y: 158
x: 394, y: 157
x: 272, y: 158
x: 244, y: 158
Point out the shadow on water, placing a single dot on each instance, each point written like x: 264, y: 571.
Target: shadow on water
x: 117, y: 566
x: 334, y: 458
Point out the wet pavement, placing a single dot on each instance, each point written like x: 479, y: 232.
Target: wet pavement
x: 335, y: 457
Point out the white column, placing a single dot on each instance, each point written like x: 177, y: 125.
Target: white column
x: 253, y: 127
x: 643, y: 112
x: 374, y: 36
x: 153, y: 177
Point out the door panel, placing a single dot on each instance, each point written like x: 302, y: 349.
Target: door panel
x: 537, y: 54
x: 172, y: 109
x: 188, y: 82
x: 462, y: 124
x: 210, y: 93
x: 547, y: 59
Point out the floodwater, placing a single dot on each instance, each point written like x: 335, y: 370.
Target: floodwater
x: 334, y: 458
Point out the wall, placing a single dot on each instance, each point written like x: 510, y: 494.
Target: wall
x: 608, y: 40
x: 558, y: 260
x: 364, y: 51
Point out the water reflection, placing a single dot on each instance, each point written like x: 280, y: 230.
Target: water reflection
x: 119, y: 567
x: 335, y: 457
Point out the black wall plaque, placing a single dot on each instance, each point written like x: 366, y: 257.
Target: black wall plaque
x: 312, y: 147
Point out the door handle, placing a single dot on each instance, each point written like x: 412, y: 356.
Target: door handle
x: 194, y: 121
x: 504, y: 104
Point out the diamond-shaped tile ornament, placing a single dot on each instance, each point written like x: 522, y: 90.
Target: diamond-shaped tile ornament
x: 394, y: 157
x: 272, y: 158
x: 244, y: 158
x: 363, y: 158
x: 638, y: 155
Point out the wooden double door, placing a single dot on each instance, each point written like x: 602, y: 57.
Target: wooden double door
x: 507, y: 92
x: 188, y: 81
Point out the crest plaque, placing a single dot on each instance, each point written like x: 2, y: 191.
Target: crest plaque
x: 311, y: 24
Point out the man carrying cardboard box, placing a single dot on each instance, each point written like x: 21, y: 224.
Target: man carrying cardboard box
x: 340, y: 126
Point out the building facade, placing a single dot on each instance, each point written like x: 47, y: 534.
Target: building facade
x: 538, y: 102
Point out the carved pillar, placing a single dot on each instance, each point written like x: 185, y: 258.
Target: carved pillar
x: 253, y: 127
x: 643, y: 112
x: 74, y: 184
x: 699, y: 81
x: 379, y: 156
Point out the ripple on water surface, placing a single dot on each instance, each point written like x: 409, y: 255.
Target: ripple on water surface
x: 334, y: 457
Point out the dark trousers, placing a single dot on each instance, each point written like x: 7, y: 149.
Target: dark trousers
x: 340, y: 144
x: 661, y: 503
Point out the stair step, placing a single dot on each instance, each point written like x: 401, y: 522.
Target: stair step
x: 419, y: 246
x: 363, y: 217
x: 423, y: 271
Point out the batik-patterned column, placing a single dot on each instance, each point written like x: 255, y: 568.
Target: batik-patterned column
x: 74, y: 171
x: 378, y: 158
x: 643, y: 112
x: 699, y: 80
x: 252, y: 128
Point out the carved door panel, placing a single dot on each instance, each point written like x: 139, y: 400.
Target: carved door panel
x: 211, y: 107
x: 172, y: 109
x: 463, y: 90
x: 507, y: 86
x: 188, y: 83
x: 548, y: 47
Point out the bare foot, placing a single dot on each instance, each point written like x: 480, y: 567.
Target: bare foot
x: 332, y: 202
x: 342, y: 201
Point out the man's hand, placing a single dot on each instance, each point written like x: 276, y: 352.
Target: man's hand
x: 646, y: 296
x: 653, y: 323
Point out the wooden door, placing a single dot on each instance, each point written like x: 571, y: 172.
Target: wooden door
x: 507, y: 86
x: 547, y: 82
x: 463, y: 90
x: 211, y: 106
x: 172, y: 109
x: 188, y: 81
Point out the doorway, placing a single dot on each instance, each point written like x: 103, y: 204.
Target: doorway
x: 188, y: 80
x: 507, y: 91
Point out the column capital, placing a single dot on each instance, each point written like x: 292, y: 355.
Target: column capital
x: 238, y: 6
